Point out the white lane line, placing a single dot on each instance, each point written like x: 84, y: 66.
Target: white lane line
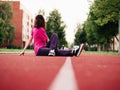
x: 65, y: 79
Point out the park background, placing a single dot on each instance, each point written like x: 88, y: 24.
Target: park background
x: 89, y: 71
x: 94, y: 23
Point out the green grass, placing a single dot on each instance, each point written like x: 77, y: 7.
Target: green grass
x: 102, y: 52
x: 2, y: 50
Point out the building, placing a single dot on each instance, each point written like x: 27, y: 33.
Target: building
x: 22, y: 21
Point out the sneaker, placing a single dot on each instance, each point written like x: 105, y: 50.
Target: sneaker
x: 51, y: 53
x: 79, y: 50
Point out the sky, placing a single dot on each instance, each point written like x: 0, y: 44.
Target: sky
x: 72, y: 12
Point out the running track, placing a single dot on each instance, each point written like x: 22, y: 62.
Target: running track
x: 86, y: 72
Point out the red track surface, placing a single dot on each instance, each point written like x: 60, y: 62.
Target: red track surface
x: 97, y: 72
x: 93, y: 72
x: 28, y: 72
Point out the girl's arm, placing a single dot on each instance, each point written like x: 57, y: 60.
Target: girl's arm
x: 26, y: 45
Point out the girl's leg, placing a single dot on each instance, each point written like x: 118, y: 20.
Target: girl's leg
x: 70, y: 52
x: 53, y: 42
x: 53, y: 45
x: 43, y: 51
x: 60, y: 52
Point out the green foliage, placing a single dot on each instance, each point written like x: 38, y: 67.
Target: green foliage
x: 80, y: 36
x: 55, y: 25
x: 102, y: 23
x: 90, y: 28
x: 106, y: 11
x: 6, y: 29
x: 3, y: 33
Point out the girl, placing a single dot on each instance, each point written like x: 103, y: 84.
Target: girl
x: 45, y: 47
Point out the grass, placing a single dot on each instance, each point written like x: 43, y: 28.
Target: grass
x: 102, y: 52
x: 2, y: 50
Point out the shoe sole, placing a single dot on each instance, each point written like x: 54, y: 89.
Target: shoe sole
x: 80, y: 50
x: 51, y: 54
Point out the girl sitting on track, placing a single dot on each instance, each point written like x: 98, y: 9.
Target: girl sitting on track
x: 45, y: 47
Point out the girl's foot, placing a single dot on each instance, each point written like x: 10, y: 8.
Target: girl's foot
x: 79, y: 50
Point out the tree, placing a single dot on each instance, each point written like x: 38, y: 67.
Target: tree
x: 2, y: 32
x: 102, y: 22
x: 91, y: 28
x: 106, y: 11
x: 55, y: 25
x: 6, y: 29
x: 80, y: 35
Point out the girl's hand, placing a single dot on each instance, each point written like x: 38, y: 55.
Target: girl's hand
x: 22, y: 53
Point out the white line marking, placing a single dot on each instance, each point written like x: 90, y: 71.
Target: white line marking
x: 65, y: 79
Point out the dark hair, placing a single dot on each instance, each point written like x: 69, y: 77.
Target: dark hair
x: 39, y: 21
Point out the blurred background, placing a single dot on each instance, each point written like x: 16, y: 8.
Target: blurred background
x: 92, y: 22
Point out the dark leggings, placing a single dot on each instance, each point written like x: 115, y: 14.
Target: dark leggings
x: 53, y: 44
